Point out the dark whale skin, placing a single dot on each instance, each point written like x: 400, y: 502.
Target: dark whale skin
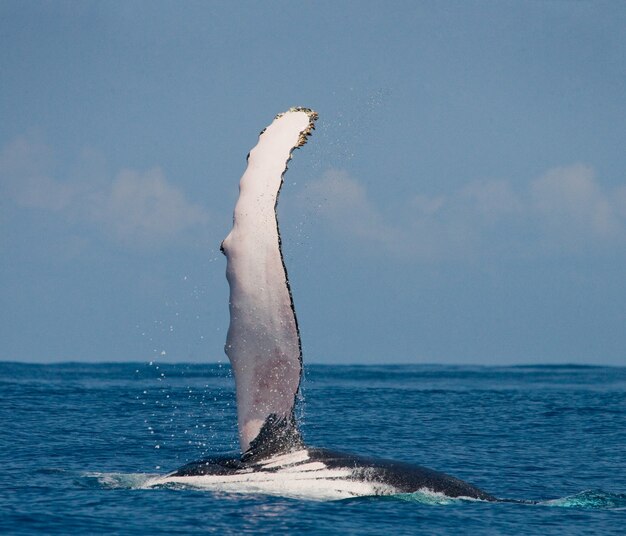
x: 405, y: 477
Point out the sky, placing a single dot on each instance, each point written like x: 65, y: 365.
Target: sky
x: 463, y: 199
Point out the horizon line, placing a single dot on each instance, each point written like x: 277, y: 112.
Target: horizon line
x: 321, y: 363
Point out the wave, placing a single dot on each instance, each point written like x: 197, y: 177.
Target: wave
x: 426, y: 496
x: 117, y: 480
x: 591, y: 499
x: 588, y: 499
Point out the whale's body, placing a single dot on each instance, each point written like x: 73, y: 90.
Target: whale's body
x: 316, y: 473
x: 263, y: 345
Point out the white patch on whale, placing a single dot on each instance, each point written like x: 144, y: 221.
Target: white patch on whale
x: 290, y: 475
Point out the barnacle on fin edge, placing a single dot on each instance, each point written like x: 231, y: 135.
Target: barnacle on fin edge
x: 313, y: 116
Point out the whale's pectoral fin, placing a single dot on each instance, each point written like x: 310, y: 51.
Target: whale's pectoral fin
x: 263, y: 342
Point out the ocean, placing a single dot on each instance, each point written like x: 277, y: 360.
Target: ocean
x: 78, y: 440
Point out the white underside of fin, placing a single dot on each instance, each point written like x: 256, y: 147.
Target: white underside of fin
x: 263, y: 342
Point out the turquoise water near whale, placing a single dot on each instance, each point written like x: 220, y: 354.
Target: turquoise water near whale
x: 77, y: 440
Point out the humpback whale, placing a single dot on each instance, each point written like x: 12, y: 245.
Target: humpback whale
x: 264, y: 348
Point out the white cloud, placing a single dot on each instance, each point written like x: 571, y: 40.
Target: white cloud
x: 493, y: 199
x: 25, y: 165
x: 427, y: 227
x: 574, y: 206
x: 566, y: 209
x: 141, y: 207
x: 45, y: 192
x: 345, y: 205
x: 428, y: 206
x: 24, y: 157
x: 135, y: 208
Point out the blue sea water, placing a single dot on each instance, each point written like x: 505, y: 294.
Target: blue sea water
x: 76, y: 438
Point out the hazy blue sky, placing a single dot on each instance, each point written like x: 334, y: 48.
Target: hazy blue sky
x: 462, y: 200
